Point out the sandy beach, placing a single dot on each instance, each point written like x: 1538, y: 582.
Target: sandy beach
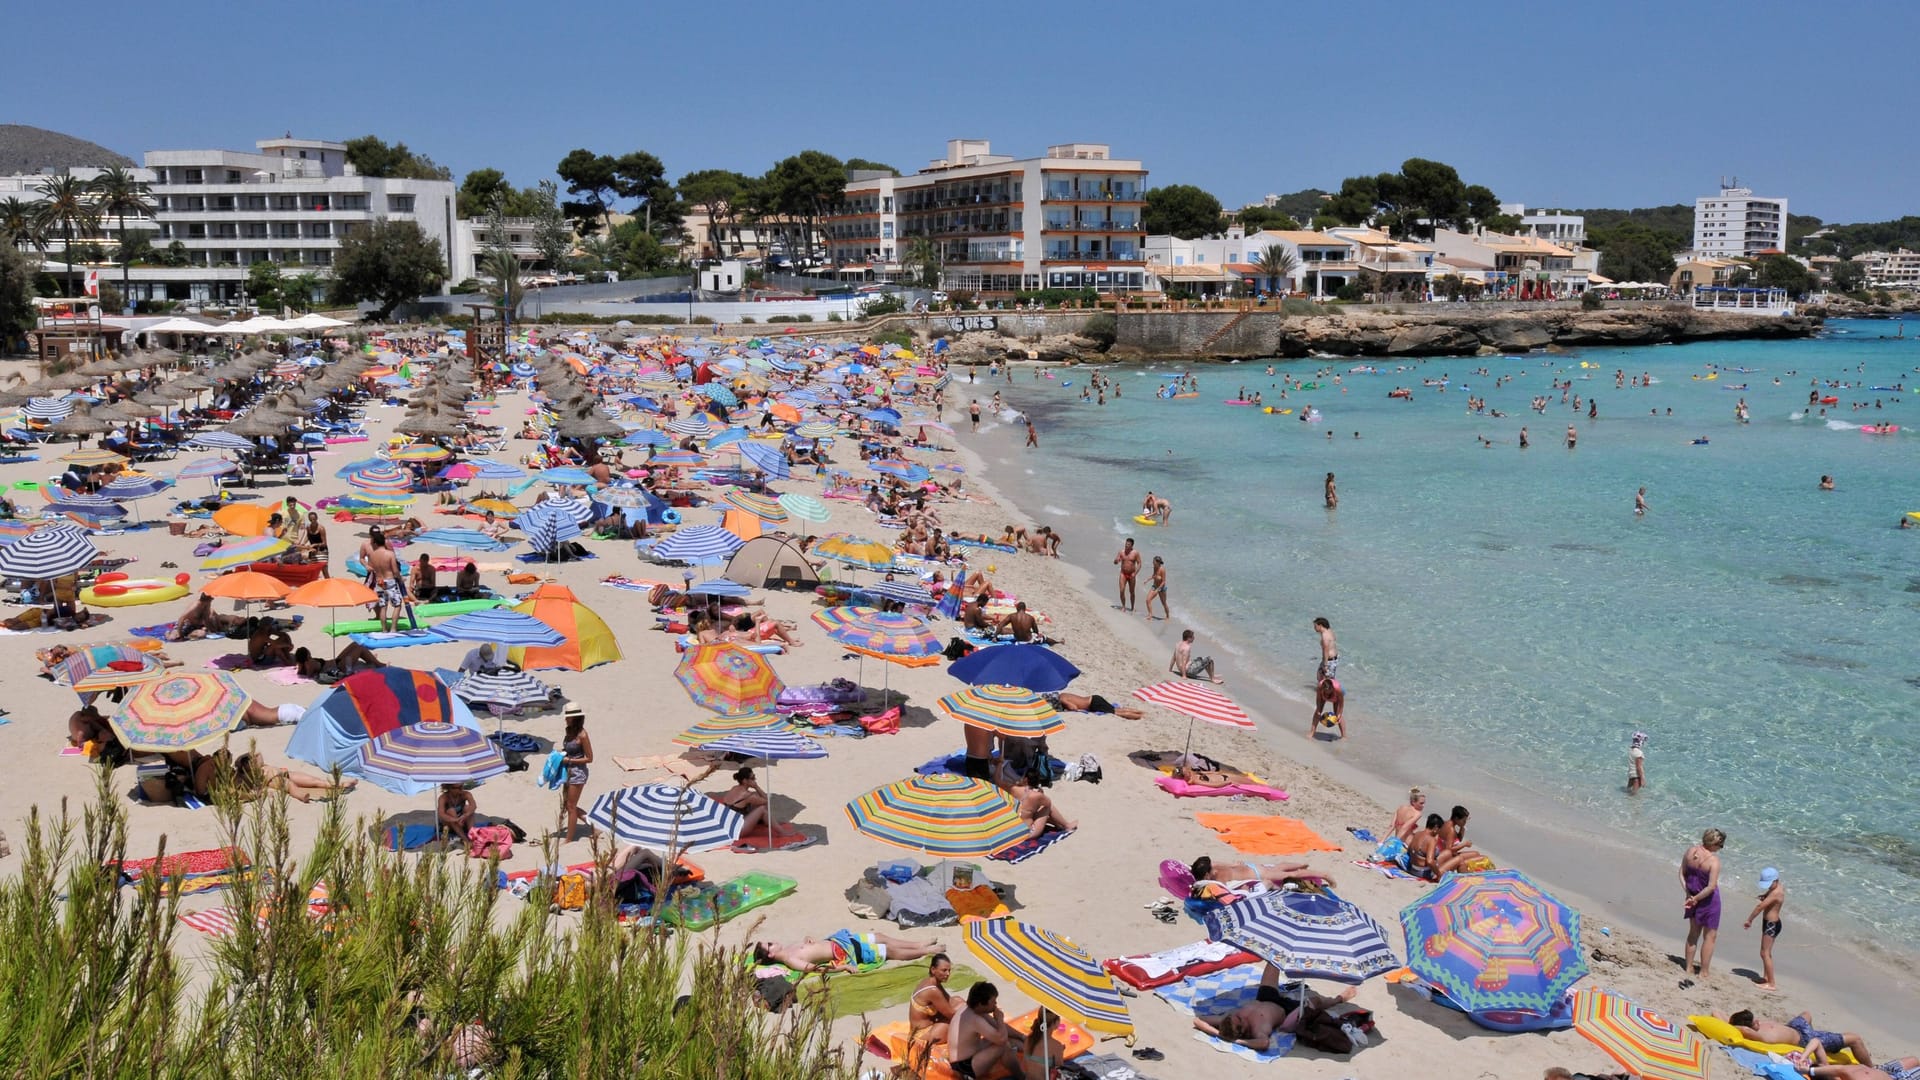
x: 1094, y: 887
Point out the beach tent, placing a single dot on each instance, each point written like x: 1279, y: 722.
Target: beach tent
x: 742, y: 524
x: 589, y: 643
x: 772, y: 561
x: 366, y: 704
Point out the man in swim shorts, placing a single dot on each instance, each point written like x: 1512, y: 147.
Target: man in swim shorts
x: 1773, y: 902
x: 1329, y: 649
x: 842, y: 950
x: 1189, y: 666
x: 1129, y: 563
x: 1799, y: 1031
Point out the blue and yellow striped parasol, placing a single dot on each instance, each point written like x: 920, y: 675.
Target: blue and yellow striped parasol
x: 1051, y: 970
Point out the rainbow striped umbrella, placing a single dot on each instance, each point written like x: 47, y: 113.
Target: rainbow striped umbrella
x: 1494, y: 941
x: 1006, y: 710
x: 103, y: 667
x: 1051, y: 970
x: 182, y: 711
x: 888, y: 635
x: 855, y: 551
x: 765, y: 507
x: 429, y: 752
x: 419, y: 452
x: 378, y: 498
x: 252, y: 549
x: 816, y: 429
x: 1648, y: 1045
x: 804, y: 507
x: 715, y: 728
x: 387, y: 477
x: 729, y: 680
x: 941, y: 814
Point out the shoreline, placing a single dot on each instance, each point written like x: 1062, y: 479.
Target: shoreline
x: 1593, y: 869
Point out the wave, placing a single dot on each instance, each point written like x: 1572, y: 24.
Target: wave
x: 1797, y: 416
x: 1056, y: 511
x: 1841, y: 425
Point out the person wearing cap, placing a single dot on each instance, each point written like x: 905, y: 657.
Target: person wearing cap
x: 1637, y: 763
x: 1773, y: 901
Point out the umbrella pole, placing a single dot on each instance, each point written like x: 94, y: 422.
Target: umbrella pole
x: 1189, y: 750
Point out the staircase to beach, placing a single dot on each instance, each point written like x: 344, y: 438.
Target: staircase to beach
x: 1207, y: 344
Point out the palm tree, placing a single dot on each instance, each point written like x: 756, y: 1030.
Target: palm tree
x: 118, y: 193
x: 66, y: 203
x: 20, y: 222
x: 925, y: 254
x: 1278, y: 265
x: 503, y: 266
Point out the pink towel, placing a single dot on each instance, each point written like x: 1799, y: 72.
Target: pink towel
x: 1185, y: 790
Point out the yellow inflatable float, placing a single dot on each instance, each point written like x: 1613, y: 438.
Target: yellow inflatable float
x: 131, y: 592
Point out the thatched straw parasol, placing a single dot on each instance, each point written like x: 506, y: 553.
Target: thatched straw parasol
x: 261, y: 423
x: 430, y: 424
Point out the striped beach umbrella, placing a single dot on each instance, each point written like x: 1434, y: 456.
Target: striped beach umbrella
x: 1006, y: 710
x: 886, y: 635
x: 500, y: 625
x: 714, y: 728
x: 508, y: 689
x: 387, y: 477
x: 902, y: 470
x: 900, y: 592
x: 720, y: 586
x: 941, y: 814
x: 459, y: 539
x: 726, y: 437
x: 1035, y: 667
x: 134, y: 488
x: 804, y: 507
x: 696, y: 426
x: 855, y: 551
x: 1051, y: 970
x: 48, y: 553
x: 377, y: 498
x: 1494, y: 941
x: 565, y: 474
x: 488, y: 469
x: 352, y: 467
x: 702, y: 545
x: 429, y: 752
x: 765, y: 507
x: 817, y: 429
x: 728, y: 679
x: 766, y: 458
x: 93, y: 668
x: 221, y: 440
x: 1305, y: 935
x: 182, y: 711
x: 48, y: 408
x: 11, y: 530
x: 772, y: 744
x: 207, y: 468
x: 419, y: 452
x: 501, y: 507
x: 685, y: 459
x: 96, y: 456
x: 1197, y: 700
x: 665, y: 818
x: 239, y: 553
x: 577, y: 507
x: 1645, y: 1043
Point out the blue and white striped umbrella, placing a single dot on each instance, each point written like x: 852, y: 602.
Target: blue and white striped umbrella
x: 221, y: 440
x: 767, y: 459
x: 702, y: 545
x: 510, y: 689
x: 48, y: 553
x: 776, y: 744
x: 129, y: 488
x: 726, y: 438
x: 207, y: 467
x: 510, y: 628
x: 48, y: 408
x: 460, y: 539
x: 665, y: 818
x: 79, y: 501
x: 696, y: 425
x: 546, y: 527
x: 720, y: 587
x: 623, y: 497
x: 577, y: 507
x: 902, y: 592
x: 487, y: 469
x: 429, y: 752
x: 1306, y: 935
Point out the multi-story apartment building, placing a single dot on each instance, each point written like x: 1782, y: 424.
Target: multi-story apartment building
x: 1554, y: 226
x: 1891, y: 269
x: 1069, y: 219
x: 1737, y: 224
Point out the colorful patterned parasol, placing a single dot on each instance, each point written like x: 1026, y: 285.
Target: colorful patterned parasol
x: 1005, y: 710
x: 182, y: 711
x: 1494, y: 941
x: 941, y: 814
x: 729, y: 680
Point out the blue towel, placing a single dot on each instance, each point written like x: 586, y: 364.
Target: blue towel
x: 537, y: 557
x: 554, y: 772
x: 1218, y: 993
x: 1365, y: 835
x: 410, y: 837
x: 517, y: 741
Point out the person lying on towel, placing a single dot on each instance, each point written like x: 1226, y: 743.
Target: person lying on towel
x: 842, y: 950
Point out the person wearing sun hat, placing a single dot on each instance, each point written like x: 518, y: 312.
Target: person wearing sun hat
x: 1773, y: 901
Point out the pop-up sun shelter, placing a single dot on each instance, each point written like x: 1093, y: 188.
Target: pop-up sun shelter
x: 589, y: 641
x: 772, y: 562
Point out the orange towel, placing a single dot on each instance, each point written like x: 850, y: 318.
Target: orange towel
x: 1265, y: 835
x: 979, y: 901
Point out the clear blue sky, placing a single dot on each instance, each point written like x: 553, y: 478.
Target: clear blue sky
x: 1586, y: 104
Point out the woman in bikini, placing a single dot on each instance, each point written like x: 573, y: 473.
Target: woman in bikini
x: 747, y: 799
x: 1423, y: 851
x: 1041, y: 1052
x: 929, y: 1010
x: 1036, y: 808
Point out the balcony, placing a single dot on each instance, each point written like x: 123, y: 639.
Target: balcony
x: 1091, y: 226
x: 1124, y: 255
x: 1122, y: 196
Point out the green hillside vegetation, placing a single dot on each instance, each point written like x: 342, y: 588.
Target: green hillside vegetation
x: 1849, y: 240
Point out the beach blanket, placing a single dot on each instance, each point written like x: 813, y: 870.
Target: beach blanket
x: 1385, y: 869
x: 1263, y: 835
x: 1149, y: 971
x: 157, y: 632
x: 230, y: 662
x: 400, y: 639
x: 755, y: 840
x: 1217, y: 994
x: 201, y: 861
x: 956, y: 764
x: 1182, y: 789
x: 187, y: 800
x: 694, y: 764
x: 409, y: 837
x: 223, y: 922
x: 639, y: 585
x: 286, y: 676
x: 889, y: 1041
x: 1027, y: 849
x: 870, y: 989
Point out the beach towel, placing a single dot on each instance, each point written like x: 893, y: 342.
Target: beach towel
x: 397, y: 640
x: 410, y: 837
x: 639, y: 585
x: 756, y: 840
x: 1220, y: 993
x: 286, y: 676
x: 889, y: 1041
x: 1184, y: 790
x: 956, y: 763
x: 1027, y: 849
x: 869, y: 989
x: 230, y: 662
x: 1262, y: 835
x: 1386, y: 870
x: 1149, y: 971
x: 157, y: 632
x: 201, y: 861
x: 186, y: 801
x: 980, y: 902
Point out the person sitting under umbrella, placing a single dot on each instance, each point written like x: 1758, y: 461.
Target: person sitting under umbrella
x: 842, y: 950
x: 201, y: 620
x: 466, y: 583
x: 746, y: 798
x: 1035, y: 806
x: 638, y: 872
x: 87, y: 725
x: 455, y: 810
x: 268, y: 645
x: 1275, y: 1009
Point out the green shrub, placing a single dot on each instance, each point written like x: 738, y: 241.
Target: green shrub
x: 835, y: 317
x: 1057, y: 297
x: 1293, y: 305
x: 783, y: 319
x: 1103, y: 329
x: 1352, y: 292
x: 750, y: 319
x: 901, y: 338
x: 887, y: 304
x: 1590, y: 301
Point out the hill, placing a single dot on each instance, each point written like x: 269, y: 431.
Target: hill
x: 26, y: 149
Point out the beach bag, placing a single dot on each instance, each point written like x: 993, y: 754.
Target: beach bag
x: 1323, y: 1032
x: 957, y: 648
x: 489, y: 841
x: 658, y: 595
x: 886, y: 723
x: 570, y: 892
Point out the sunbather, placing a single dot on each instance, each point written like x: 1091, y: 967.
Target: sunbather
x: 747, y: 799
x: 747, y: 630
x: 1093, y: 703
x: 1275, y: 1009
x: 1036, y: 807
x: 268, y: 645
x: 842, y: 950
x: 930, y: 1009
x: 1227, y: 873
x: 87, y: 725
x: 1906, y: 1068
x: 201, y: 620
x: 1799, y: 1031
x: 455, y: 809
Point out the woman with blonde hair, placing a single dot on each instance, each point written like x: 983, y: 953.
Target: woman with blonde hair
x: 1700, y: 876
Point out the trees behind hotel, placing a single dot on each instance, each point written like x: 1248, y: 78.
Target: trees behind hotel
x: 1630, y: 251
x: 67, y: 206
x: 371, y: 156
x: 1182, y: 210
x: 1411, y: 203
x: 387, y: 264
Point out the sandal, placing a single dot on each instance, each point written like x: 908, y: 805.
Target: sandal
x: 1148, y: 1053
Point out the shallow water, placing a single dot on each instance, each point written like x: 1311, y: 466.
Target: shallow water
x: 1510, y: 606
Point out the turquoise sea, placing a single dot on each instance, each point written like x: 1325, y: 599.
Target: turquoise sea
x: 1509, y: 608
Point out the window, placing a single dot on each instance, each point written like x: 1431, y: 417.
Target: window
x: 400, y: 204
x: 193, y: 176
x: 351, y: 202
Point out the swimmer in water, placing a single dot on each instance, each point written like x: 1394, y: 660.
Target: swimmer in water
x: 1640, y: 502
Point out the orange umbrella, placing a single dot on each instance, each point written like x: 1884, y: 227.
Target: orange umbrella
x: 243, y: 519
x: 331, y: 592
x: 783, y: 411
x: 247, y: 585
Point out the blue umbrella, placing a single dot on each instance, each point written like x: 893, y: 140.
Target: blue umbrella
x: 696, y: 425
x: 48, y: 553
x: 646, y: 437
x: 702, y: 545
x: 353, y: 468
x: 727, y: 437
x: 566, y: 474
x: 641, y: 401
x: 128, y: 488
x: 882, y: 416
x: 1306, y: 935
x: 719, y: 587
x: 508, y: 689
x: 1031, y: 667
x: 716, y: 393
x: 510, y: 628
x: 767, y: 459
x: 665, y: 817
x: 911, y: 473
x: 486, y: 469
x: 903, y: 592
x: 48, y: 408
x: 460, y: 539
x: 207, y: 467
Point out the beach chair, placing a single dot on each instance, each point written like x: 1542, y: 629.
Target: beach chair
x: 299, y: 468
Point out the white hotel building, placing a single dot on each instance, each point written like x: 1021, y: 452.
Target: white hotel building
x: 1737, y: 224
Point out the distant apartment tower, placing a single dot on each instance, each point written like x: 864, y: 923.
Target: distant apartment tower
x: 1069, y: 219
x: 1553, y: 226
x: 1736, y: 224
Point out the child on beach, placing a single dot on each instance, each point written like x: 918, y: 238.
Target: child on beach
x: 1637, y: 763
x: 1773, y: 901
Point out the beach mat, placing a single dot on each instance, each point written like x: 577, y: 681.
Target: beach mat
x: 1217, y: 994
x: 1028, y: 848
x: 1182, y: 789
x: 853, y: 993
x: 398, y: 639
x: 756, y: 841
x: 201, y: 861
x: 706, y: 905
x: 1264, y: 835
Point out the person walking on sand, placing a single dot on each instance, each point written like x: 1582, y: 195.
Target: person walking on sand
x: 1157, y: 590
x: 390, y: 590
x: 1773, y: 901
x: 1129, y: 563
x: 1700, y: 876
x: 577, y: 750
x: 1188, y: 666
x: 1640, y: 503
x: 1333, y: 497
x: 1033, y: 437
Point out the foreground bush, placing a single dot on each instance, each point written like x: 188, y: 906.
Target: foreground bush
x: 414, y: 968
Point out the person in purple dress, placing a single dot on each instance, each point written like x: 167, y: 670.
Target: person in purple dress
x: 1700, y: 875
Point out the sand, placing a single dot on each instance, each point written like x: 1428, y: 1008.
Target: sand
x: 1094, y: 887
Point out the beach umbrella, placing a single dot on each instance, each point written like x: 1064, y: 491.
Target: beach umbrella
x: 804, y: 507
x: 886, y: 635
x: 332, y: 594
x: 727, y: 438
x: 93, y: 668
x: 506, y: 627
x: 719, y: 394
x: 855, y: 551
x: 1005, y: 710
x: 352, y: 467
x: 903, y: 470
x: 1645, y: 1043
x: 1197, y: 701
x: 377, y: 498
x: 487, y: 469
x: 1494, y: 941
x: 817, y: 429
x: 182, y: 711
x: 646, y: 437
x: 220, y: 440
x: 728, y: 679
x: 247, y: 585
x: 665, y: 818
x: 48, y: 408
x: 245, y: 519
x: 241, y: 552
x: 771, y: 746
x: 459, y: 539
x: 1034, y: 667
x: 1051, y: 970
x: 623, y: 497
x: 502, y: 507
x: 1305, y: 935
x: 702, y: 545
x: 577, y: 507
x: 696, y: 425
x: 714, y: 728
x: 420, y: 452
x: 383, y: 478
x: 48, y: 553
x: 941, y: 814
x: 900, y: 592
x: 566, y: 474
x: 766, y: 459
x: 135, y: 488
x: 93, y: 457
x: 506, y: 688
x: 765, y: 507
x: 429, y: 752
x: 719, y: 586
x: 685, y: 459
